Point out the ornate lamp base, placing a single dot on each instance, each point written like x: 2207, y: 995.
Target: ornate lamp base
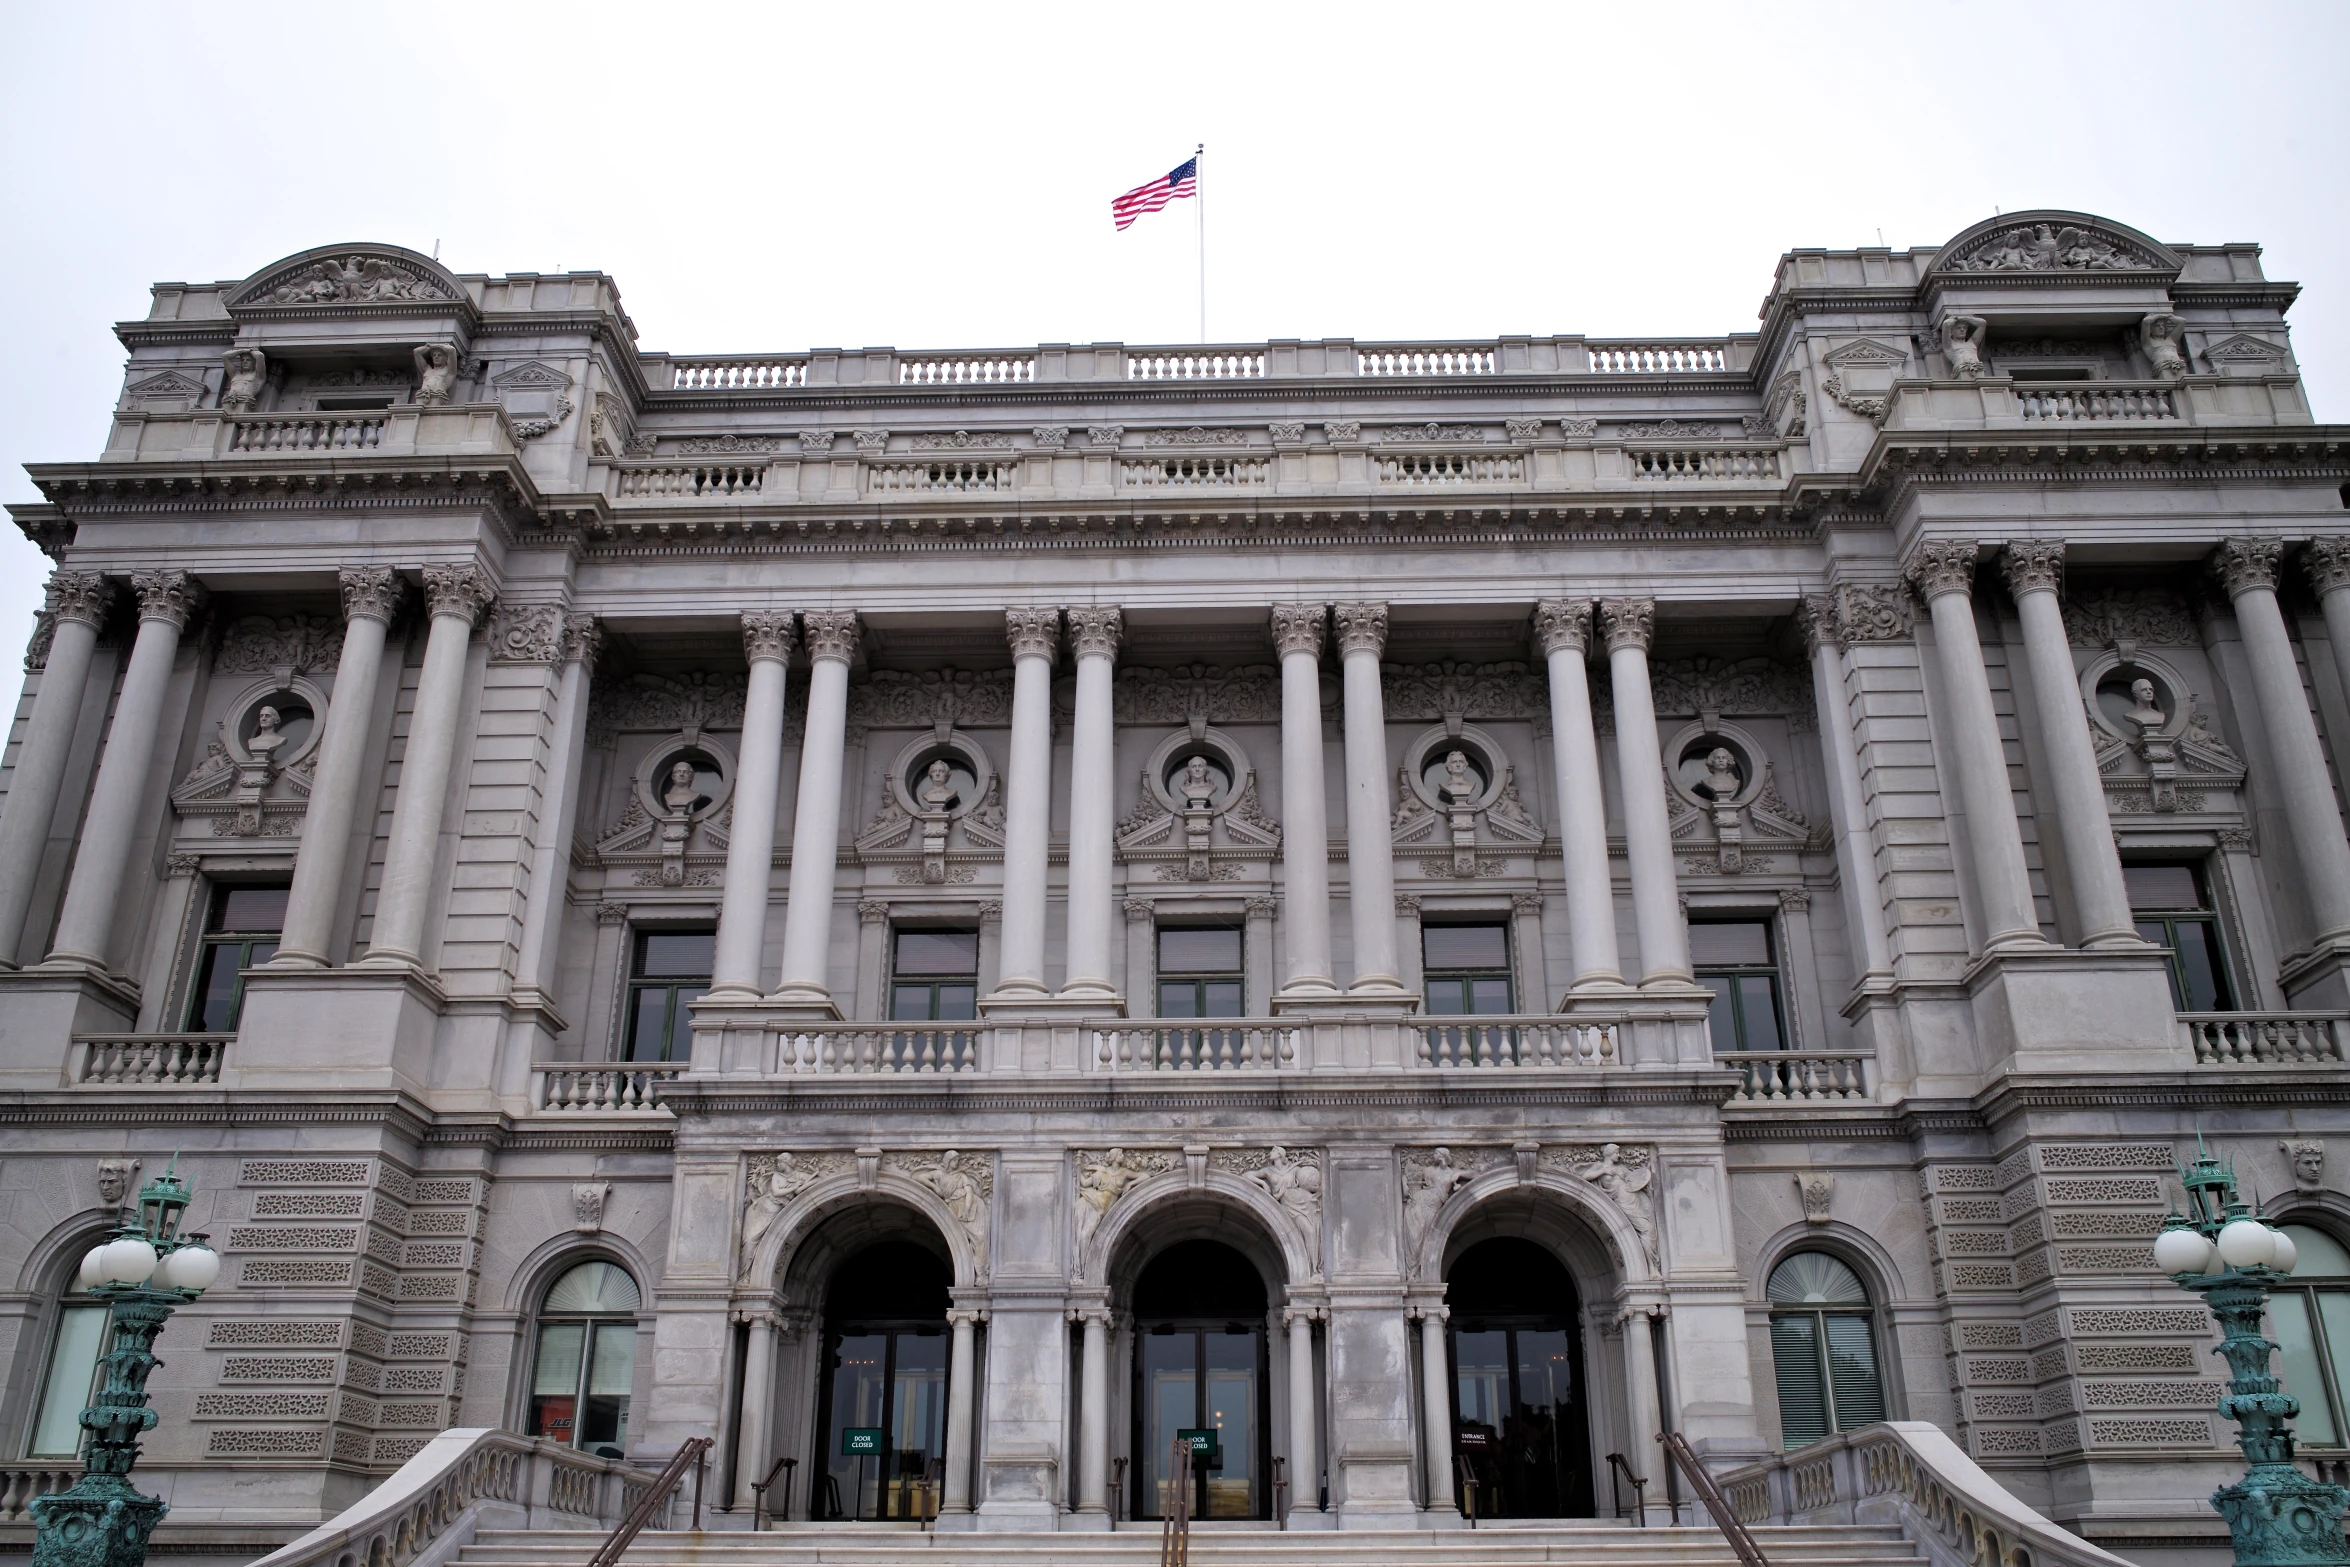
x: 2279, y: 1517
x: 103, y: 1522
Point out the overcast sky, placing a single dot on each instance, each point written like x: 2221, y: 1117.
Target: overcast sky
x: 782, y: 177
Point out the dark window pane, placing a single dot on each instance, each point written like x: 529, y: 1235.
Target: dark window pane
x: 2155, y: 931
x: 938, y: 952
x: 215, y: 1011
x: 1465, y: 946
x: 1743, y: 943
x: 1220, y: 998
x: 1447, y: 997
x: 2202, y: 973
x: 684, y: 954
x: 1721, y: 1018
x: 1758, y: 1008
x: 250, y: 909
x: 1178, y: 998
x: 2163, y: 887
x: 909, y: 1003
x: 1489, y: 996
x: 957, y: 1003
x: 1852, y: 1373
x: 1803, y: 1393
x: 1199, y: 951
x: 648, y: 1028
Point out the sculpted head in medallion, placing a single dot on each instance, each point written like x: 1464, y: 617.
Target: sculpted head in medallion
x: 682, y: 790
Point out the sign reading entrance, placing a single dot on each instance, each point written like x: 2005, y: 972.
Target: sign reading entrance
x: 1205, y: 1443
x: 860, y: 1441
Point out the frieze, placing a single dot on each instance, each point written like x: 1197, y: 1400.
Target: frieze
x: 1196, y: 435
x: 1432, y: 433
x: 958, y: 698
x: 1745, y: 686
x: 2046, y: 247
x: 1669, y: 430
x: 347, y: 280
x: 1427, y: 693
x: 526, y: 633
x: 962, y: 440
x: 1245, y: 694
x: 2149, y: 617
x: 261, y: 644
x: 700, y: 700
x: 730, y: 443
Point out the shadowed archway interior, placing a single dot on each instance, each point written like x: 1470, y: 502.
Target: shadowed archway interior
x: 881, y: 1407
x: 1201, y: 1370
x: 1521, y: 1425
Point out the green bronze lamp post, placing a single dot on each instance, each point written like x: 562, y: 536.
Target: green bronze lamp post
x: 144, y: 1272
x: 2277, y: 1516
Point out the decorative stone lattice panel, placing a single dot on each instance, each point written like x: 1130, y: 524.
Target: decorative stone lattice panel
x: 260, y: 1406
x: 271, y: 1333
x: 2003, y: 1406
x: 2116, y: 1189
x: 2136, y: 1357
x: 286, y: 1368
x: 2006, y: 1441
x: 1971, y: 1210
x: 1985, y: 1368
x: 303, y: 1172
x: 308, y: 1205
x: 2139, y: 1319
x: 272, y: 1442
x: 254, y: 1237
x: 2165, y: 1433
x: 1990, y: 1335
x: 296, y: 1273
x: 2168, y: 1394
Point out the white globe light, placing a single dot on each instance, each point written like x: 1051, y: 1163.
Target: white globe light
x: 2286, y: 1252
x: 126, y: 1261
x: 2247, y: 1243
x: 2181, y: 1251
x: 192, y: 1267
x: 92, y: 1274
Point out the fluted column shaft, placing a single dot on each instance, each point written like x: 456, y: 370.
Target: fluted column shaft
x: 754, y: 1428
x: 1563, y: 628
x: 1028, y: 799
x: 750, y: 845
x: 550, y: 860
x: 1628, y: 625
x: 76, y: 605
x: 371, y: 597
x: 1945, y: 576
x: 1305, y: 1469
x: 1370, y: 842
x: 832, y: 640
x: 961, y: 1368
x: 1436, y: 1410
x: 2092, y: 863
x: 455, y: 597
x: 1305, y: 817
x: 1093, y: 637
x: 2248, y: 569
x: 1093, y: 1416
x: 85, y: 926
x: 2327, y: 565
x: 1847, y: 805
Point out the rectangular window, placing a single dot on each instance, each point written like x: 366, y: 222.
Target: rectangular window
x: 671, y: 971
x: 1738, y: 962
x: 1468, y: 969
x: 241, y: 928
x: 73, y: 1376
x: 935, y: 976
x: 1201, y: 973
x: 2171, y: 904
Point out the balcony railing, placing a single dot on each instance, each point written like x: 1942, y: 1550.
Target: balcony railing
x: 1191, y: 473
x: 757, y: 374
x: 1658, y: 358
x: 1432, y: 360
x: 2274, y: 1038
x: 1468, y: 1044
x: 967, y: 370
x: 690, y: 481
x: 612, y: 1088
x: 2112, y: 401
x: 133, y: 1059
x: 914, y: 1052
x: 1441, y: 469
x: 1238, y: 1047
x: 1760, y: 464
x: 1805, y: 1076
x: 1239, y: 364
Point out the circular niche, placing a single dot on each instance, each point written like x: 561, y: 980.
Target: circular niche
x: 1222, y: 770
x: 1720, y: 766
x: 665, y: 774
x: 967, y: 774
x: 1430, y: 763
x: 2126, y: 697
x: 295, y: 709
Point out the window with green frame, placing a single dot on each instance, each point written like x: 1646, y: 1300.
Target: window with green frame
x: 2172, y: 907
x: 670, y: 971
x: 1466, y: 969
x: 241, y: 929
x: 1201, y: 972
x: 1823, y: 1349
x: 1738, y: 961
x: 934, y: 976
x: 2309, y: 1318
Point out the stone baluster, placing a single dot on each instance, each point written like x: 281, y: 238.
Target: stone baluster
x: 832, y: 641
x: 1629, y: 624
x: 1563, y: 629
x: 1370, y: 842
x: 455, y: 598
x: 1944, y: 573
x: 550, y: 860
x: 85, y: 926
x: 750, y: 846
x: 1305, y: 1473
x: 1035, y: 635
x: 1436, y: 1408
x: 2247, y: 568
x: 1093, y: 1413
x: 1847, y: 806
x: 1093, y: 638
x: 371, y: 598
x: 2035, y: 571
x: 76, y: 603
x: 1305, y: 821
x: 962, y: 1367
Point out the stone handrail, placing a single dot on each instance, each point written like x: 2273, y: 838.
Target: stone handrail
x: 2282, y: 1038
x: 1659, y: 358
x: 883, y: 1051
x: 402, y: 430
x: 23, y: 1483
x: 1995, y: 402
x: 460, y: 1482
x: 1910, y: 1474
x: 1198, y: 364
x: 1216, y: 1046
x: 179, y: 1058
x: 1807, y: 1076
x: 1473, y: 1043
x: 606, y: 1088
x: 749, y: 373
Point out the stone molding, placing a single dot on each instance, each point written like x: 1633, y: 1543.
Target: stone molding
x: 1815, y: 619
x: 1874, y: 612
x: 527, y: 633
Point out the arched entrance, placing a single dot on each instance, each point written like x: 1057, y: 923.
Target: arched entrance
x: 1520, y: 1418
x: 1200, y: 1364
x: 882, y: 1396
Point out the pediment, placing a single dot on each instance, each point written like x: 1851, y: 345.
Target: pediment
x: 334, y: 276
x: 2242, y: 348
x: 1865, y: 352
x: 529, y: 375
x: 2053, y: 242
x: 164, y: 384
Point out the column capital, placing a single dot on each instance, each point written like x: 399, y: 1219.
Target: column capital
x: 1141, y: 909
x: 767, y: 636
x: 458, y: 592
x: 78, y: 595
x: 371, y: 592
x: 966, y: 1316
x: 1815, y: 618
x: 991, y: 912
x: 1362, y: 628
x: 1096, y: 633
x: 1942, y: 566
x: 1526, y: 903
x: 167, y: 595
x: 2326, y: 562
x: 2245, y: 564
x: 1291, y: 1316
x: 2033, y: 566
x: 830, y: 634
x: 583, y: 637
x: 1627, y: 622
x: 1429, y: 1311
x: 1033, y: 633
x: 1563, y: 626
x: 872, y: 912
x: 1260, y: 908
x: 1297, y: 628
x: 1408, y: 903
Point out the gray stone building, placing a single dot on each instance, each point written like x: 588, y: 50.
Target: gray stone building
x: 1429, y: 909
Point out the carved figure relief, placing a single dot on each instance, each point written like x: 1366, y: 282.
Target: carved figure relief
x: 1105, y: 1176
x: 436, y: 373
x: 1962, y: 345
x: 1719, y: 784
x: 1196, y: 809
x: 1430, y: 1177
x: 2155, y: 749
x: 248, y: 378
x: 116, y: 1180
x: 587, y: 1205
x: 349, y: 280
x: 1457, y: 787
x: 298, y: 644
x: 2043, y: 247
x: 2163, y: 338
x: 773, y: 1182
x: 2307, y: 1156
x: 676, y: 825
x: 963, y: 1182
x: 940, y: 793
x: 535, y: 396
x: 1294, y: 1182
x: 1816, y: 1189
x: 1623, y: 1177
x: 255, y: 775
x: 1860, y: 376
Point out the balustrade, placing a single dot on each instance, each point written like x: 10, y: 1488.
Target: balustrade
x: 2107, y: 401
x: 1705, y: 463
x: 691, y: 481
x: 1194, y: 473
x: 1782, y: 1076
x: 967, y: 370
x: 149, y: 1058
x: 2291, y: 1039
x: 1218, y: 365
x: 1658, y: 358
x: 1424, y: 361
x: 1235, y: 1047
x: 1471, y: 1043
x: 1445, y: 468
x: 618, y: 1088
x: 750, y: 375
x: 883, y: 1051
x: 938, y: 478
x: 21, y: 1484
x: 307, y: 432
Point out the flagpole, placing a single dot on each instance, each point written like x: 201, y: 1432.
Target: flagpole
x: 1199, y: 175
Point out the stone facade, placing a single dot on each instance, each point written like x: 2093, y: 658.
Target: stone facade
x: 1896, y: 630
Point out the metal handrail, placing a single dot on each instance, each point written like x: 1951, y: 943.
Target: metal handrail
x: 784, y: 1467
x: 1466, y: 1473
x: 1175, y: 1529
x: 1716, y: 1505
x: 1280, y: 1493
x: 1117, y: 1490
x: 1618, y: 1464
x: 695, y: 1452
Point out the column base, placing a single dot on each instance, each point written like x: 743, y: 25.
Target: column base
x: 2319, y: 977
x: 1101, y: 1000
x: 1307, y: 996
x: 42, y: 1009
x: 356, y: 1027
x: 802, y: 1003
x: 2049, y: 1009
x: 1016, y: 997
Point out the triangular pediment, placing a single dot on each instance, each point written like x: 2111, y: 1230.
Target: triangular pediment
x: 1865, y: 352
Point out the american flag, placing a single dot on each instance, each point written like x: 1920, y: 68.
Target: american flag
x: 1174, y: 186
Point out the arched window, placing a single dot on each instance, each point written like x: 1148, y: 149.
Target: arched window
x: 2309, y: 1317
x: 70, y: 1377
x: 586, y: 1359
x: 1823, y: 1349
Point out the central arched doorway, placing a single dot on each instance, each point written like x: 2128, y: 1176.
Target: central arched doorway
x: 1200, y: 1364
x: 881, y: 1404
x: 1520, y: 1421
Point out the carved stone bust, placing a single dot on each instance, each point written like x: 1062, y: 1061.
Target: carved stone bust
x: 2145, y: 711
x: 1721, y: 775
x: 1460, y: 784
x: 1199, y: 784
x: 938, y: 789
x: 683, y: 789
x: 267, y: 736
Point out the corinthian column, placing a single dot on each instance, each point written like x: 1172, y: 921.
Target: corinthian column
x: 550, y: 861
x: 86, y: 924
x: 1945, y: 576
x: 815, y: 834
x: 1436, y: 1411
x: 1305, y: 821
x: 750, y: 846
x: 1628, y: 625
x: 2247, y: 568
x: 1563, y: 628
x: 371, y: 597
x: 1035, y: 635
x: 76, y: 604
x: 1370, y: 842
x: 1093, y: 637
x: 455, y: 597
x: 2035, y: 570
x: 1823, y: 640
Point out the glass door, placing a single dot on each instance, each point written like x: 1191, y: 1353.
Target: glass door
x: 890, y: 1380
x: 1203, y: 1377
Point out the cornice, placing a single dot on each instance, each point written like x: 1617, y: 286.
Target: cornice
x: 135, y: 335
x: 81, y: 491
x: 2316, y: 452
x: 2204, y: 1087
